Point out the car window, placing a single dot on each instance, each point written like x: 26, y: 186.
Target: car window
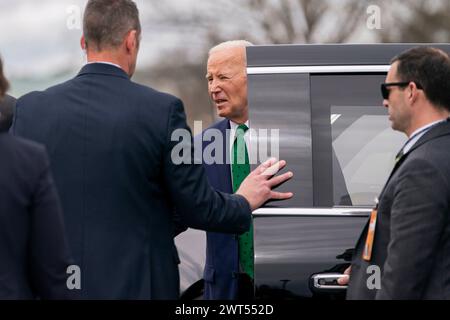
x: 353, y: 144
x: 365, y: 147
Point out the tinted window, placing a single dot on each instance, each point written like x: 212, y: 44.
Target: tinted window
x: 353, y: 145
x: 365, y: 147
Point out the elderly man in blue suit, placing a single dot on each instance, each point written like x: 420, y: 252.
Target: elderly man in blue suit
x: 110, y: 142
x: 228, y: 272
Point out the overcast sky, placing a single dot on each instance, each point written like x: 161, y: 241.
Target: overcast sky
x: 37, y: 43
x: 39, y: 48
x: 36, y: 39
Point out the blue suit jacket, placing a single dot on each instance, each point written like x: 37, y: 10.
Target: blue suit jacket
x: 34, y: 254
x: 110, y: 145
x: 222, y: 261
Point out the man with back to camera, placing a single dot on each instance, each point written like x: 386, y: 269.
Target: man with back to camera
x: 110, y: 144
x: 228, y: 272
x: 408, y: 235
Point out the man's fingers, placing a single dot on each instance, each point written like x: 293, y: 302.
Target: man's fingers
x: 275, y: 181
x: 281, y: 195
x: 265, y: 165
x: 270, y: 161
x: 348, y: 271
x: 344, y: 280
x: 274, y: 168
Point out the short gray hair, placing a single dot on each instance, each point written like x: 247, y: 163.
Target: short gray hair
x: 230, y: 44
x: 106, y: 22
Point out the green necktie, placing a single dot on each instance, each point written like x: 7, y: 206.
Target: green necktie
x: 240, y: 168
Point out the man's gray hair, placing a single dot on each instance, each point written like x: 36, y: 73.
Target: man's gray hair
x: 230, y: 44
x: 107, y: 22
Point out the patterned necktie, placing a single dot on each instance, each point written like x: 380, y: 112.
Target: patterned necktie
x: 240, y: 168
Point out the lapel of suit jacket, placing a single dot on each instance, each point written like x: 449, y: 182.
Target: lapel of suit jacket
x: 441, y: 129
x: 226, y: 167
x: 222, y: 170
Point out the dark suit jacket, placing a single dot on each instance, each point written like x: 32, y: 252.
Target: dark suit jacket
x: 222, y: 261
x: 412, y: 235
x: 34, y: 253
x: 110, y: 142
x: 7, y: 106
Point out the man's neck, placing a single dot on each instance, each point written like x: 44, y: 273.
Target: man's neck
x: 109, y: 57
x: 427, y: 119
x: 241, y: 120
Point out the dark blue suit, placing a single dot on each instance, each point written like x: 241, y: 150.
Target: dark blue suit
x: 34, y: 254
x: 222, y: 263
x: 110, y: 142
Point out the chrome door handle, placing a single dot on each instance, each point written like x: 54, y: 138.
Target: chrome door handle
x: 327, y: 281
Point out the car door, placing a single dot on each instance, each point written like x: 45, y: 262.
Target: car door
x: 336, y: 137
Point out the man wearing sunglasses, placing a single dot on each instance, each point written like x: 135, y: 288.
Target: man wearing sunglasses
x: 404, y: 251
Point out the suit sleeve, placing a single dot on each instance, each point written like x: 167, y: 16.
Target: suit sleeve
x: 199, y: 205
x: 418, y: 214
x: 179, y: 225
x: 49, y: 253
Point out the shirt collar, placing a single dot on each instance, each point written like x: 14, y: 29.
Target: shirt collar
x: 416, y: 135
x: 234, y: 125
x: 425, y: 127
x: 233, y: 129
x: 106, y: 62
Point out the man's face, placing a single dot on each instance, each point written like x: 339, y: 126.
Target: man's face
x: 227, y: 83
x: 399, y: 111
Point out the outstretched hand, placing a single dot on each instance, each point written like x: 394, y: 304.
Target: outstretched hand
x: 257, y: 187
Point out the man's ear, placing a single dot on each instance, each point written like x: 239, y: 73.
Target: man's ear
x: 83, y: 42
x: 413, y: 92
x: 131, y: 40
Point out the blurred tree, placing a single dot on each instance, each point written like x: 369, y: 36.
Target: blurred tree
x: 417, y: 21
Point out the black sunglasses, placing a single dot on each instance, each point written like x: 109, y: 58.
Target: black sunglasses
x: 385, y: 91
